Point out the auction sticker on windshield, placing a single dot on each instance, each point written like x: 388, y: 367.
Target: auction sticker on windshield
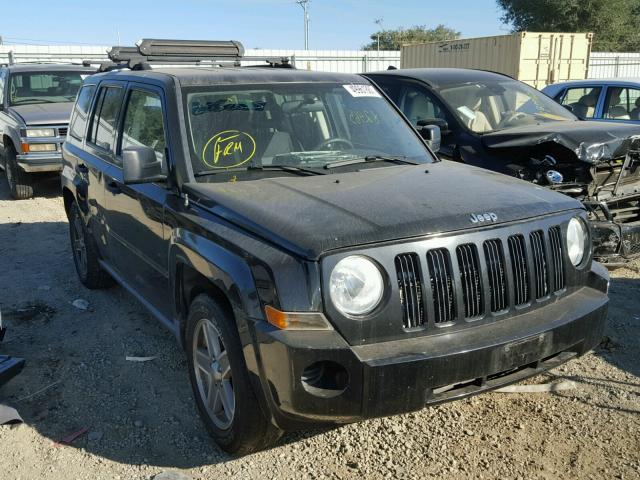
x: 361, y: 90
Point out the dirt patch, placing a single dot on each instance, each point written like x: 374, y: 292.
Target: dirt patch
x: 133, y: 420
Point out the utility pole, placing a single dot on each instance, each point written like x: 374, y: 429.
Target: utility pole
x: 305, y: 7
x: 378, y: 21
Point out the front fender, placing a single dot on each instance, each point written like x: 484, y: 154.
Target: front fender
x: 224, y: 269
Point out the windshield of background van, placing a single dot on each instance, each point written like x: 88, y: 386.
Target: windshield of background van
x: 44, y: 87
x: 305, y: 125
x: 495, y: 105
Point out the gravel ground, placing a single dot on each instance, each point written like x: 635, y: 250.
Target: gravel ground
x: 141, y: 418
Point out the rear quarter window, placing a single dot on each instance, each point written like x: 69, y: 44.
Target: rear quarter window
x: 78, y: 122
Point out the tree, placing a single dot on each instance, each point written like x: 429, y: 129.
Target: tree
x: 615, y: 23
x: 394, y: 39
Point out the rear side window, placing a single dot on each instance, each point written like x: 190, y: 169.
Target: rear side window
x: 105, y: 117
x: 144, y: 123
x: 79, y: 118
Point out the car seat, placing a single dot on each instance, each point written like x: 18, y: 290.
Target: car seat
x: 617, y: 111
x: 586, y: 106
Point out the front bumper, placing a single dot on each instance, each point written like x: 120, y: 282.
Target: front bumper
x: 36, y: 162
x: 406, y: 375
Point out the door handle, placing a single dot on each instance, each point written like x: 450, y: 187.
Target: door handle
x: 114, y: 187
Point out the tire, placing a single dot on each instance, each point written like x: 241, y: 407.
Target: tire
x: 232, y: 414
x: 85, y: 253
x: 20, y: 182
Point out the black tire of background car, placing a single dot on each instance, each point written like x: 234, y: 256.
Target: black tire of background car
x: 95, y: 276
x: 20, y: 182
x: 250, y: 431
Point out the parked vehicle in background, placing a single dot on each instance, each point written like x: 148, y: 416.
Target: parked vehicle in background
x: 609, y: 100
x: 495, y: 122
x: 316, y: 260
x: 35, y: 104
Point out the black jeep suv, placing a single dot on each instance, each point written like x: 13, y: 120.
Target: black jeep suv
x: 311, y: 254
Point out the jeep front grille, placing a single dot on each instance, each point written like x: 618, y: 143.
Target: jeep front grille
x: 441, y: 278
x: 474, y: 279
x: 410, y: 286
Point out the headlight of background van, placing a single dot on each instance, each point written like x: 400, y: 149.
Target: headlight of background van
x: 356, y: 285
x: 577, y: 239
x: 40, y: 132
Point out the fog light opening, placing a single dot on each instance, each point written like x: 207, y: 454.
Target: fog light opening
x: 325, y: 379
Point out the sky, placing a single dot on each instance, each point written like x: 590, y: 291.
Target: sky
x: 334, y: 24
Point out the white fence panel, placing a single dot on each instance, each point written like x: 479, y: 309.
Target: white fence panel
x: 614, y: 65
x: 341, y: 61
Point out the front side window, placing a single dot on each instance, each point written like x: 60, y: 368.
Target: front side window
x: 419, y: 105
x: 103, y: 124
x: 622, y: 103
x: 44, y: 87
x: 491, y: 105
x: 79, y: 117
x: 582, y: 100
x: 303, y: 125
x: 144, y: 123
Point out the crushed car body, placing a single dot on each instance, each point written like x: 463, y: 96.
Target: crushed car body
x: 495, y: 122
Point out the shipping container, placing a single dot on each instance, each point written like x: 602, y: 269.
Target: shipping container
x: 532, y: 57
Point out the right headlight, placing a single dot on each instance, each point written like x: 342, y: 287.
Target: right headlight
x: 577, y: 238
x: 356, y: 285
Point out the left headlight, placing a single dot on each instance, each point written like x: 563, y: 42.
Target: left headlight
x: 40, y: 132
x: 577, y: 238
x: 356, y: 285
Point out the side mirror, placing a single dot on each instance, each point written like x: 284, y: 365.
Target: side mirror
x: 431, y: 134
x: 568, y: 107
x: 439, y: 122
x: 140, y: 165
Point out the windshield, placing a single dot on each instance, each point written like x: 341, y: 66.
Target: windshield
x: 250, y: 130
x: 495, y: 105
x: 44, y: 87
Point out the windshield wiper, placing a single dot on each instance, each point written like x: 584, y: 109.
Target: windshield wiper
x: 264, y: 168
x: 368, y: 159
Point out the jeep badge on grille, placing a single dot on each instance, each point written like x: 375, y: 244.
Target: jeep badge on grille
x: 483, y: 217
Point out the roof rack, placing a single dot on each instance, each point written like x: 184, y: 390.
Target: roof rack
x: 167, y: 52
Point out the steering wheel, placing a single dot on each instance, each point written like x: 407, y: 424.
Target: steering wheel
x: 510, y: 118
x: 329, y: 141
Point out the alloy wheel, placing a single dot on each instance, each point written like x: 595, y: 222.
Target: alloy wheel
x: 213, y: 374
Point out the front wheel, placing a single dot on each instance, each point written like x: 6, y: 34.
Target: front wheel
x: 220, y: 381
x: 20, y: 182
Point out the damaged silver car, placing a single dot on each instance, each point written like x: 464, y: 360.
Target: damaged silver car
x: 493, y: 121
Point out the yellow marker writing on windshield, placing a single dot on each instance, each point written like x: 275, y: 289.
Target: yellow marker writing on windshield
x: 228, y: 149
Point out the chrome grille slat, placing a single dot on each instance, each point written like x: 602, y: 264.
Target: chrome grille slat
x: 557, y: 257
x: 540, y: 263
x: 441, y: 280
x: 497, y: 279
x: 469, y: 266
x: 410, y: 285
x: 517, y: 250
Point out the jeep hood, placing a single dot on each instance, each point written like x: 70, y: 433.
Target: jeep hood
x: 312, y: 215
x: 43, y: 113
x: 591, y: 142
